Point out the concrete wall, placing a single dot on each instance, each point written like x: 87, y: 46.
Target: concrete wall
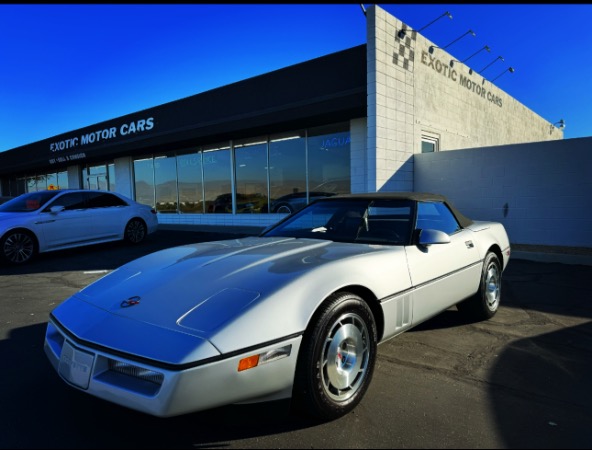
x: 540, y: 191
x: 391, y: 108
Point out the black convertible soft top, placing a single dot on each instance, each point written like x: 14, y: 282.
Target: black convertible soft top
x: 413, y: 196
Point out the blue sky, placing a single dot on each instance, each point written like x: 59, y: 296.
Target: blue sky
x: 65, y: 67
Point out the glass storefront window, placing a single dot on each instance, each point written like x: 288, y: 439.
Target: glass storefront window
x: 97, y: 177
x: 52, y: 181
x: 329, y: 160
x: 190, y: 185
x: 267, y: 175
x: 217, y: 180
x: 165, y: 181
x: 144, y: 181
x: 111, y: 176
x: 287, y: 172
x: 63, y: 180
x: 42, y: 182
x: 251, y: 177
x: 37, y: 183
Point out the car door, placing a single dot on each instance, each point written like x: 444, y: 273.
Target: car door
x: 71, y: 226
x: 441, y: 274
x: 109, y: 215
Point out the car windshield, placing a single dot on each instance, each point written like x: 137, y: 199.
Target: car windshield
x: 28, y: 202
x: 386, y: 222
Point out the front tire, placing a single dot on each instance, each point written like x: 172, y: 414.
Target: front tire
x: 18, y: 247
x: 337, y: 358
x: 485, y: 303
x: 135, y: 231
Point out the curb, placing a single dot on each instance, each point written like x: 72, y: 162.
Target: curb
x: 562, y: 258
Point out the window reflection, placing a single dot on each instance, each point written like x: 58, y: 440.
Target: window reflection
x: 144, y: 181
x: 52, y: 181
x: 189, y: 173
x: 287, y: 172
x: 270, y: 174
x: 329, y: 171
x: 217, y: 181
x: 165, y: 181
x: 63, y: 180
x: 42, y: 182
x: 251, y: 177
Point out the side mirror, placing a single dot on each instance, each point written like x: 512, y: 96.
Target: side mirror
x: 56, y: 209
x: 430, y: 237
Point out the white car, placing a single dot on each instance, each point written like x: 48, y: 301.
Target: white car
x: 44, y: 221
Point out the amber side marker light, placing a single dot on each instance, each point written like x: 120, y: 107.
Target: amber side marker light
x: 248, y: 363
x: 264, y: 358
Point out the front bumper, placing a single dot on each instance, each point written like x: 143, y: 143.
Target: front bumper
x: 164, y: 391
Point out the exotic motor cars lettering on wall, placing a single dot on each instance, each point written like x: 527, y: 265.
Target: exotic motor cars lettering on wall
x: 448, y: 72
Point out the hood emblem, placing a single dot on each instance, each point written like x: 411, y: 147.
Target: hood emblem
x: 132, y: 301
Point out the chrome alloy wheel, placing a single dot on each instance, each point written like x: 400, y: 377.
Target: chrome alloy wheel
x: 493, y: 287
x: 18, y: 248
x: 344, y: 359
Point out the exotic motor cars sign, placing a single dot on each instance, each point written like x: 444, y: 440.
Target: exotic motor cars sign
x: 134, y: 127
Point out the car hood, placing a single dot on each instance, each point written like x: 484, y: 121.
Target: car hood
x: 199, y: 289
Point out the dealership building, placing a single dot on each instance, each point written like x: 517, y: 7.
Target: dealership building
x: 246, y: 153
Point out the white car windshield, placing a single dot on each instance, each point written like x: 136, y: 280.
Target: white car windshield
x: 386, y: 222
x: 28, y: 202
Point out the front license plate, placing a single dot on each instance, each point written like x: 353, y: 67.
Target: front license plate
x: 75, y: 365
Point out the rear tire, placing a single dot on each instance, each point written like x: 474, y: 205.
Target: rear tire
x: 337, y: 357
x: 18, y: 247
x: 135, y: 231
x: 485, y: 303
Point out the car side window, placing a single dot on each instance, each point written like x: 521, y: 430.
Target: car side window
x: 70, y: 202
x: 436, y: 216
x: 104, y: 200
x: 387, y: 222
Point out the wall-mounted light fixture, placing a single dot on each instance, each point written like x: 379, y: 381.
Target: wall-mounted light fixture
x: 432, y: 47
x: 471, y: 32
x: 437, y: 18
x: 478, y: 51
x: 509, y: 69
x: 499, y: 57
x: 561, y: 124
x: 402, y: 33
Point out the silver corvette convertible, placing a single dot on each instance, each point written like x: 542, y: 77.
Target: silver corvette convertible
x: 296, y: 312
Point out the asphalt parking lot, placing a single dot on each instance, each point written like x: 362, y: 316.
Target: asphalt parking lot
x: 520, y: 380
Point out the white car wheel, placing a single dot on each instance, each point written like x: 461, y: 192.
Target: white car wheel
x: 135, y: 231
x: 18, y: 247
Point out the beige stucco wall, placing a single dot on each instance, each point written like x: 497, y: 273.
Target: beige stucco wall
x: 412, y: 92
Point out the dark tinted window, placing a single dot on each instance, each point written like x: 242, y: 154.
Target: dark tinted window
x: 70, y: 201
x: 104, y: 200
x: 436, y: 216
x: 362, y: 221
x: 28, y: 202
